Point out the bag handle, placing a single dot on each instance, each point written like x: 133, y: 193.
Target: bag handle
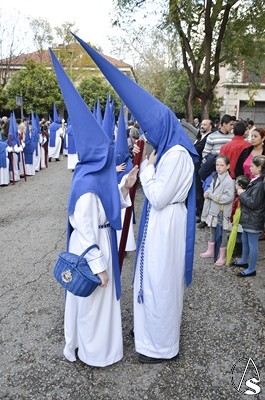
x: 87, y: 250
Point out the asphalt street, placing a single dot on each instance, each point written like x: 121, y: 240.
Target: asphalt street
x: 223, y: 323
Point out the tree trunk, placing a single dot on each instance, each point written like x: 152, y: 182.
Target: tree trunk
x: 189, y: 106
x: 206, y: 106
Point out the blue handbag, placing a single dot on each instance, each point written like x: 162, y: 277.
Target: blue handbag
x: 74, y: 274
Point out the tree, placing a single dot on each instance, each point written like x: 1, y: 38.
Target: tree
x: 63, y: 34
x: 153, y: 54
x: 212, y: 33
x: 94, y: 88
x: 10, y: 43
x: 42, y: 34
x: 38, y: 87
x: 74, y: 59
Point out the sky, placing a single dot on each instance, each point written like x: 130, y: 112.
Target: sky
x: 91, y: 17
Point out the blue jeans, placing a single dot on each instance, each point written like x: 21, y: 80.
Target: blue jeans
x: 250, y: 245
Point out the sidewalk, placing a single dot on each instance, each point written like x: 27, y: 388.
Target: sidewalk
x: 223, y: 318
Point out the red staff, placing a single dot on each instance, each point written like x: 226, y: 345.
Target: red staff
x: 128, y: 213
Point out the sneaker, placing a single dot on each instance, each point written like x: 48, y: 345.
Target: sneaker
x: 201, y: 225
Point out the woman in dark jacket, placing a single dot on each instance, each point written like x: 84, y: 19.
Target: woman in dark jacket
x: 252, y: 203
x: 257, y: 148
x: 204, y: 131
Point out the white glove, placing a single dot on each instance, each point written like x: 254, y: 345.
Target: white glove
x: 18, y: 149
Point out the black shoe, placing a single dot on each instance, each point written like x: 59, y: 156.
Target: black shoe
x: 235, y: 264
x: 151, y: 360
x: 57, y: 159
x: 237, y: 252
x: 50, y: 159
x: 242, y: 274
x: 202, y: 225
x: 132, y: 333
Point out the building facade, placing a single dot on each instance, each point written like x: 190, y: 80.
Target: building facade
x: 240, y: 97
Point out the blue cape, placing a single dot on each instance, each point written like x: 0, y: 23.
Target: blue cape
x: 3, y: 147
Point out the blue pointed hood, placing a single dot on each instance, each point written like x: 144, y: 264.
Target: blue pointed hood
x: 162, y: 129
x: 71, y: 139
x: 53, y: 128
x: 121, y: 146
x: 98, y: 113
x: 95, y: 170
x: 95, y: 110
x: 107, y: 123
x: 29, y: 146
x: 162, y: 126
x: 13, y: 131
x: 56, y: 117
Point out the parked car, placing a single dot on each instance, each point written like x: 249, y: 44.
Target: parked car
x: 190, y: 130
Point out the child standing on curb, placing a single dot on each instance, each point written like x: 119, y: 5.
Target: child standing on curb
x: 220, y: 195
x: 252, y: 200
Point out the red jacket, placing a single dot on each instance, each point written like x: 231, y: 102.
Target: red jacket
x: 233, y: 150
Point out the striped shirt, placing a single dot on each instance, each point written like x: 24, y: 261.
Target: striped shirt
x: 215, y: 141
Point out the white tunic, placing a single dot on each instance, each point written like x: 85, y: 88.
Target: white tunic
x: 93, y: 323
x: 157, y: 320
x: 14, y: 161
x: 36, y: 158
x: 43, y: 140
x: 72, y: 160
x: 30, y: 169
x: 54, y: 152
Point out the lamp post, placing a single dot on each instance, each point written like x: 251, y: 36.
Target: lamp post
x: 19, y: 102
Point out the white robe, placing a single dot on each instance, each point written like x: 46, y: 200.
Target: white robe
x: 157, y: 320
x: 43, y: 140
x: 54, y: 152
x: 36, y: 158
x: 30, y: 169
x: 72, y: 160
x: 93, y: 324
x: 16, y: 168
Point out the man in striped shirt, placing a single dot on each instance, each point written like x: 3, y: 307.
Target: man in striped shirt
x: 215, y: 140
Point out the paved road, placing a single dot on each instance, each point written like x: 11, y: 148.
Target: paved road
x: 223, y: 319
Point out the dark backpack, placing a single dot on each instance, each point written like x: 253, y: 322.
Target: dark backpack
x: 207, y: 166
